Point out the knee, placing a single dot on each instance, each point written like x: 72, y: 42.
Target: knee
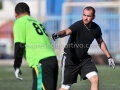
x: 94, y: 79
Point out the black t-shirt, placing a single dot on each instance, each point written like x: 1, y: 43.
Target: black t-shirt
x: 81, y: 38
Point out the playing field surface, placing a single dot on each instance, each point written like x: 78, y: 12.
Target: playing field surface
x: 109, y: 79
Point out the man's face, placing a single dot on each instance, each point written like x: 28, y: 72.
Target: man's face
x: 87, y: 16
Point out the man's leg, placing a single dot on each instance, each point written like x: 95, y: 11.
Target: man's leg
x: 37, y: 78
x: 93, y: 77
x: 49, y: 73
x: 34, y: 86
x: 69, y: 72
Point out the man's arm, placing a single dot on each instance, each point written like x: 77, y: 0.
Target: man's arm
x: 71, y: 29
x: 18, y: 54
x: 103, y: 46
x: 61, y: 34
x: 64, y: 33
x: 19, y: 46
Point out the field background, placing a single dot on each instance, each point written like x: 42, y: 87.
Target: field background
x: 109, y: 79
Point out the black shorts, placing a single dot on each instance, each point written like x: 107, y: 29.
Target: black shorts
x: 72, y: 66
x: 47, y: 78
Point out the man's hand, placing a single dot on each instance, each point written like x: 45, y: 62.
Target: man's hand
x: 111, y: 63
x: 17, y: 72
x: 55, y: 36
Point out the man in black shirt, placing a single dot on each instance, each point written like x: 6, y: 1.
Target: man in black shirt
x: 76, y: 59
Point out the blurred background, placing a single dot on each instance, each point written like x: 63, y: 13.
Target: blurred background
x: 57, y: 15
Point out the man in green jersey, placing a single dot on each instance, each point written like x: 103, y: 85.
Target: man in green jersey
x: 31, y: 40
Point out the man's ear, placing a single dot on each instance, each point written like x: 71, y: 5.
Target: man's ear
x: 16, y: 16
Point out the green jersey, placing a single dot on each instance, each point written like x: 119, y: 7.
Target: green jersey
x: 37, y: 43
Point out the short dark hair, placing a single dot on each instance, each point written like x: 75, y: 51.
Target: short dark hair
x: 90, y: 8
x: 22, y: 8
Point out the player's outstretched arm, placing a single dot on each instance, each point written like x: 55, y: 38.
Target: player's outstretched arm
x: 61, y: 34
x: 103, y: 47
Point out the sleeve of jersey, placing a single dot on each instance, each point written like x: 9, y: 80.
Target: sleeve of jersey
x: 19, y: 32
x: 19, y: 41
x: 74, y: 27
x: 99, y: 33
